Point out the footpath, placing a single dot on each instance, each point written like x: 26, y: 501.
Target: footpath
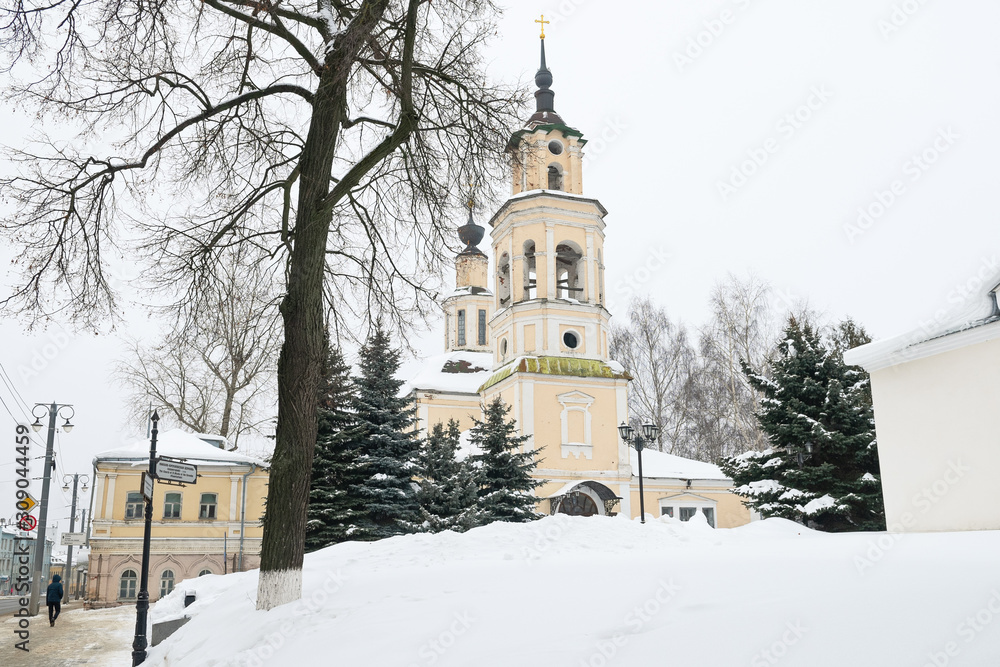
x: 80, y: 637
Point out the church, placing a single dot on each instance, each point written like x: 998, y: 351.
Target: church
x: 534, y: 332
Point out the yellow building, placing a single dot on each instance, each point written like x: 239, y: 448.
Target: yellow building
x: 539, y: 341
x: 196, y: 529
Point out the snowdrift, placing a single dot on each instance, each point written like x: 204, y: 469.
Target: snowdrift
x: 609, y: 591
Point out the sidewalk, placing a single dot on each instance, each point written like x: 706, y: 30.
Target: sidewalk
x: 96, y: 637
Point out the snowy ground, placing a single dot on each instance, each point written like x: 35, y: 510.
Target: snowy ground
x: 598, y: 591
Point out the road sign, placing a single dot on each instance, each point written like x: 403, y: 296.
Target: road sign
x: 27, y: 522
x: 27, y: 503
x: 147, y: 486
x: 74, y: 539
x: 175, y: 471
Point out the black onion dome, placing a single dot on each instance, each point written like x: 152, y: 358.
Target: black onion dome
x: 544, y: 97
x: 471, y: 234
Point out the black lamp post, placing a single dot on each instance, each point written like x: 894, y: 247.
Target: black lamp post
x: 630, y: 437
x: 799, y: 456
x: 142, y: 599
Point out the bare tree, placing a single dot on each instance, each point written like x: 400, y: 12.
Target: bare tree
x: 214, y: 372
x: 330, y: 134
x: 743, y: 329
x: 656, y: 352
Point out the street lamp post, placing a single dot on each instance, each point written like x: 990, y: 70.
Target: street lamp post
x: 72, y: 526
x: 630, y: 437
x: 53, y: 410
x: 142, y: 600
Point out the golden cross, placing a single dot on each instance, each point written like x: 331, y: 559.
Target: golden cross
x: 542, y: 21
x: 472, y: 195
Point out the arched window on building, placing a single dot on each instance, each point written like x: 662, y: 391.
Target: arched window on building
x: 530, y: 271
x: 569, y: 271
x: 503, y: 280
x: 166, y: 583
x: 204, y: 572
x: 126, y: 585
x: 555, y: 177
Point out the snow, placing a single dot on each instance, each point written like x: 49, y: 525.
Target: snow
x: 663, y: 465
x: 760, y: 487
x: 432, y: 376
x: 179, y: 444
x: 818, y: 505
x: 566, y: 591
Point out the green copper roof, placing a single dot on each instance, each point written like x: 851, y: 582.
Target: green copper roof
x: 584, y: 368
x: 565, y: 129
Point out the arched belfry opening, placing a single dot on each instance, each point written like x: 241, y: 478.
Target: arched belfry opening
x: 569, y: 271
x: 555, y: 177
x: 530, y: 271
x: 503, y: 280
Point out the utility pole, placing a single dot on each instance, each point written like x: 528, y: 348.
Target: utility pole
x: 72, y: 525
x: 53, y: 410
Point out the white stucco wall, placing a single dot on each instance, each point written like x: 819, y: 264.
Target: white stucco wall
x: 938, y: 424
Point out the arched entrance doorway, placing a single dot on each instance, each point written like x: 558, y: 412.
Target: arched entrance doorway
x: 584, y: 499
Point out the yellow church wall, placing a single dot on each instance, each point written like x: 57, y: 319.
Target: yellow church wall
x: 434, y: 408
x: 730, y: 511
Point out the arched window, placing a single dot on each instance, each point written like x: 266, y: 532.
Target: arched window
x: 172, y: 506
x: 126, y: 585
x: 204, y: 572
x: 569, y: 271
x: 166, y: 583
x: 208, y: 504
x: 530, y: 272
x: 503, y: 280
x: 555, y: 177
x: 134, y: 504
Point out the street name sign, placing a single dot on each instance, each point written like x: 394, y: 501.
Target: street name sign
x: 147, y: 487
x: 176, y: 471
x: 74, y: 539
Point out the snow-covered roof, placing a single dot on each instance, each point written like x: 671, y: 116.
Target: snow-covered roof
x: 457, y: 372
x: 973, y: 321
x: 668, y: 466
x: 179, y: 444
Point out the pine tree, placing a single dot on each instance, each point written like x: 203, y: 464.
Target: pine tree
x: 447, y: 493
x: 333, y: 506
x: 822, y: 468
x: 388, y: 444
x: 503, y: 471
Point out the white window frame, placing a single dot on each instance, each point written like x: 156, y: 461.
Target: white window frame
x: 688, y: 500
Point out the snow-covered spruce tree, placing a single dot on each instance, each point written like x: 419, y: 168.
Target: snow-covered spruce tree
x: 388, y: 444
x: 447, y: 493
x: 334, y: 506
x: 502, y: 470
x: 813, y: 401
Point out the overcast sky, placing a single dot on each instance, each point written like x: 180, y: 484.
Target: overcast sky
x: 725, y: 137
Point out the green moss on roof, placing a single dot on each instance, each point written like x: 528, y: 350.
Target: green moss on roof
x: 585, y: 368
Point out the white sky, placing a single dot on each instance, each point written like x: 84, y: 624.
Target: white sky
x: 664, y: 134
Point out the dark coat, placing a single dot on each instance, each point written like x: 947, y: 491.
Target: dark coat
x: 55, y: 590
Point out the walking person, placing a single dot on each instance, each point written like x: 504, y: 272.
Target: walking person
x: 53, y: 597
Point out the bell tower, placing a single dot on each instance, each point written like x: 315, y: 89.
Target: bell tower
x: 548, y: 241
x: 549, y: 330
